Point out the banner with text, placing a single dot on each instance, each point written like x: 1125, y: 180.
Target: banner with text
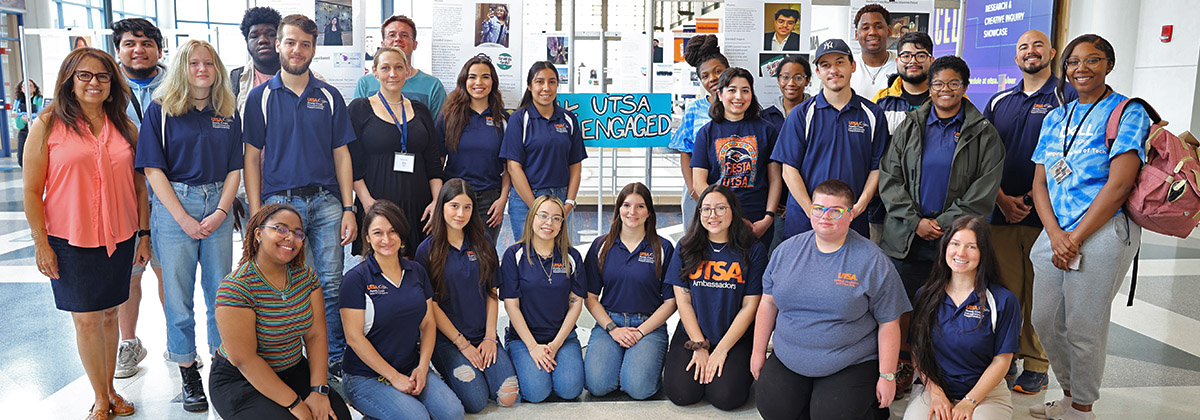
x: 621, y: 119
x: 990, y: 33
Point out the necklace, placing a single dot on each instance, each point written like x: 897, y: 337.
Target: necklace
x: 542, y: 264
x: 714, y: 248
x: 873, y: 76
x: 201, y: 99
x: 283, y: 292
x: 401, y: 101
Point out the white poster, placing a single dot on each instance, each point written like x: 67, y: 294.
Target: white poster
x: 907, y: 16
x: 633, y: 75
x: 340, y: 41
x: 465, y: 28
x: 758, y: 35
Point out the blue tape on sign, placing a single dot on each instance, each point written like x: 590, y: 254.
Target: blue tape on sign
x: 621, y: 119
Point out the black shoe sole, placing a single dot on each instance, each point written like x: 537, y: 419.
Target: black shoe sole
x: 196, y: 408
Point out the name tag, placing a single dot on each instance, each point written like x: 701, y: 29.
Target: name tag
x: 405, y: 162
x: 1060, y: 170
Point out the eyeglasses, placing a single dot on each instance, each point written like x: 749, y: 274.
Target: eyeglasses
x: 833, y: 213
x: 86, y: 76
x: 400, y: 35
x: 908, y: 57
x: 951, y: 85
x: 798, y: 78
x: 543, y: 216
x: 284, y: 231
x: 1090, y: 61
x: 718, y: 210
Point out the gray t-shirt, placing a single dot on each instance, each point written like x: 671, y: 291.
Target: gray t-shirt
x: 831, y: 305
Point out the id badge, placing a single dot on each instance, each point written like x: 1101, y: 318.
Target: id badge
x: 405, y: 162
x: 1060, y: 170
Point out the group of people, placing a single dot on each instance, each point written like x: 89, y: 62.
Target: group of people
x: 902, y: 233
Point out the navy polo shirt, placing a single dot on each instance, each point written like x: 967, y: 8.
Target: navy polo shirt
x: 476, y: 160
x: 773, y: 115
x: 937, y: 156
x: 201, y: 146
x: 298, y: 139
x: 844, y: 144
x: 546, y: 148
x: 543, y: 300
x: 391, y: 315
x: 964, y: 344
x: 719, y: 284
x: 465, y: 303
x: 736, y: 154
x: 630, y: 282
x: 1018, y: 118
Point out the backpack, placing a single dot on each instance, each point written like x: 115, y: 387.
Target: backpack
x: 1166, y: 195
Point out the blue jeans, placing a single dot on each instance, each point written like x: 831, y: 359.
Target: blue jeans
x: 377, y: 400
x: 517, y: 211
x: 566, y: 381
x: 636, y: 370
x: 322, y: 217
x: 179, y: 254
x: 473, y: 387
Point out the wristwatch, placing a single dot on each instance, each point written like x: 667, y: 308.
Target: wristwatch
x: 772, y: 214
x: 348, y: 208
x: 143, y: 232
x: 611, y: 326
x: 321, y: 389
x: 890, y: 377
x: 571, y: 202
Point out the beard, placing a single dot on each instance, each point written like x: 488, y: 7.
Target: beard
x: 1034, y: 68
x: 139, y: 73
x: 916, y: 79
x: 297, y: 70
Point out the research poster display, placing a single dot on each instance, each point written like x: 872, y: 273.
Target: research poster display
x: 465, y: 28
x: 759, y: 35
x: 621, y: 119
x: 992, y: 29
x: 340, y: 46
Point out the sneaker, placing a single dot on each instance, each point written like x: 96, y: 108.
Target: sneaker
x: 1031, y: 383
x: 129, y: 354
x: 199, y: 360
x: 1051, y: 409
x: 904, y: 378
x: 194, y: 400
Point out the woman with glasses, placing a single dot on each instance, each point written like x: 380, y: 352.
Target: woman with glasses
x: 84, y: 203
x: 793, y: 77
x: 1081, y: 258
x: 542, y: 282
x: 717, y: 274
x: 271, y: 363
x: 838, y: 323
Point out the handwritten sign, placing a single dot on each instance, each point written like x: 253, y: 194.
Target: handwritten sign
x: 621, y: 119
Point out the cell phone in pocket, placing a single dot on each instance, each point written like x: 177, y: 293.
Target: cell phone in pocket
x: 1075, y: 262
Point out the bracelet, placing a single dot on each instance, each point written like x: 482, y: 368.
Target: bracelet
x: 571, y: 202
x: 294, y: 403
x: 972, y: 400
x: 492, y: 340
x: 640, y: 332
x: 222, y: 211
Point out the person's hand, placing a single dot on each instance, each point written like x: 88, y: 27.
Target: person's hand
x: 715, y: 366
x: 487, y: 349
x: 302, y: 411
x: 760, y: 227
x: 857, y: 210
x: 756, y: 363
x: 929, y: 230
x: 212, y: 222
x: 428, y: 229
x: 1013, y: 207
x: 319, y: 406
x: 625, y: 337
x: 964, y: 410
x: 472, y: 354
x: 192, y: 228
x: 402, y: 383
x: 142, y: 255
x: 885, y: 391
x: 939, y: 407
x: 47, y: 261
x: 541, y: 357
x: 1064, y: 248
x: 418, y: 377
x: 496, y: 212
x: 700, y: 361
x: 349, y: 228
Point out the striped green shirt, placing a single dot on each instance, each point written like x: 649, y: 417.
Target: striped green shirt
x: 281, y: 317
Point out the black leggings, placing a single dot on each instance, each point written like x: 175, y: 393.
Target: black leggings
x: 848, y: 394
x: 235, y: 398
x: 726, y: 392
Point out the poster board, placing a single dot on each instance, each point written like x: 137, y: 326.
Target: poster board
x: 465, y: 28
x: 340, y: 43
x: 990, y: 38
x: 758, y: 35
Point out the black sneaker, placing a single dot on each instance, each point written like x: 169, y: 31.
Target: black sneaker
x: 194, y: 400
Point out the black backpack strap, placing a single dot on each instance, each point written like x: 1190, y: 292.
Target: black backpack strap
x: 137, y: 105
x: 235, y: 77
x: 1133, y: 280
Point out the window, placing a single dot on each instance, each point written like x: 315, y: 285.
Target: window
x: 89, y: 14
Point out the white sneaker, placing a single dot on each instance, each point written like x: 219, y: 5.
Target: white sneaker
x: 129, y: 354
x: 1051, y: 409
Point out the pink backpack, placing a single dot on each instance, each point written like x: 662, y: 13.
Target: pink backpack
x: 1166, y: 196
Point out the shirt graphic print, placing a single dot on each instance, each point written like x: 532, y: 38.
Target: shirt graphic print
x: 739, y: 160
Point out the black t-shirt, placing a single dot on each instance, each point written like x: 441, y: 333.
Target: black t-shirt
x: 914, y: 101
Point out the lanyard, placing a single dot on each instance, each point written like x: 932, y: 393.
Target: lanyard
x: 402, y: 126
x: 1067, y: 145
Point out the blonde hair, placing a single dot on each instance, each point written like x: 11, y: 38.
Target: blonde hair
x: 562, y: 241
x: 175, y: 93
x: 388, y: 49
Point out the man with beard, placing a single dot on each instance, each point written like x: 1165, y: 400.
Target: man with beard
x: 139, y: 46
x: 836, y: 134
x: 872, y: 28
x: 401, y: 32
x: 910, y: 87
x: 1017, y: 114
x: 296, y: 128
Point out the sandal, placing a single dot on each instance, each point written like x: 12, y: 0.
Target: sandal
x: 94, y: 414
x: 120, y: 406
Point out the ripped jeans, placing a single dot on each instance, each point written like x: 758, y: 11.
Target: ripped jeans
x: 474, y: 387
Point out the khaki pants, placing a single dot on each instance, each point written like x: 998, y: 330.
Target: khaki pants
x: 997, y: 405
x: 1012, y: 244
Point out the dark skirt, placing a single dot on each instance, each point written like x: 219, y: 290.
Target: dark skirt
x: 89, y: 279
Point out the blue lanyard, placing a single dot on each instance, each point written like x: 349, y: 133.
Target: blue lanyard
x: 402, y: 126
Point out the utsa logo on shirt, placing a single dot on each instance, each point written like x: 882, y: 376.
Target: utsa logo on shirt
x: 738, y: 160
x: 846, y: 279
x: 1041, y: 108
x: 558, y: 268
x: 973, y: 311
x: 646, y: 257
x: 718, y: 275
x: 489, y: 122
x: 856, y: 126
x: 221, y: 123
x: 376, y: 290
x: 316, y: 103
x: 471, y: 256
x: 560, y: 127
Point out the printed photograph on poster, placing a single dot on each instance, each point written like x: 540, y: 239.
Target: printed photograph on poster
x: 680, y: 46
x: 80, y: 42
x: 658, y: 51
x: 768, y: 63
x: 904, y: 23
x: 556, y: 50
x: 563, y: 74
x: 334, y: 22
x: 781, y: 27
x: 491, y: 24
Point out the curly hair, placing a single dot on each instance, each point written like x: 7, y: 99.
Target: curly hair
x: 258, y: 16
x: 254, y: 226
x: 702, y: 48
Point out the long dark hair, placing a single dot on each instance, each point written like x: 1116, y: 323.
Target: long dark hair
x: 717, y: 111
x: 614, y: 231
x: 254, y: 226
x: 694, y: 247
x: 527, y: 99
x: 929, y: 300
x: 1097, y: 41
x: 474, y: 232
x: 20, y: 92
x: 457, y: 110
x: 66, y: 106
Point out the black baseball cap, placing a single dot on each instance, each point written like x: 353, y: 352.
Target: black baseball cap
x: 833, y: 45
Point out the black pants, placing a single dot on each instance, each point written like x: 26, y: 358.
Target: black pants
x: 915, y: 267
x: 21, y: 136
x: 726, y: 392
x: 483, y: 201
x: 235, y: 398
x: 848, y: 394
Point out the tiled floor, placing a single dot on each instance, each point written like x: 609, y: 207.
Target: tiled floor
x: 1153, y: 369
